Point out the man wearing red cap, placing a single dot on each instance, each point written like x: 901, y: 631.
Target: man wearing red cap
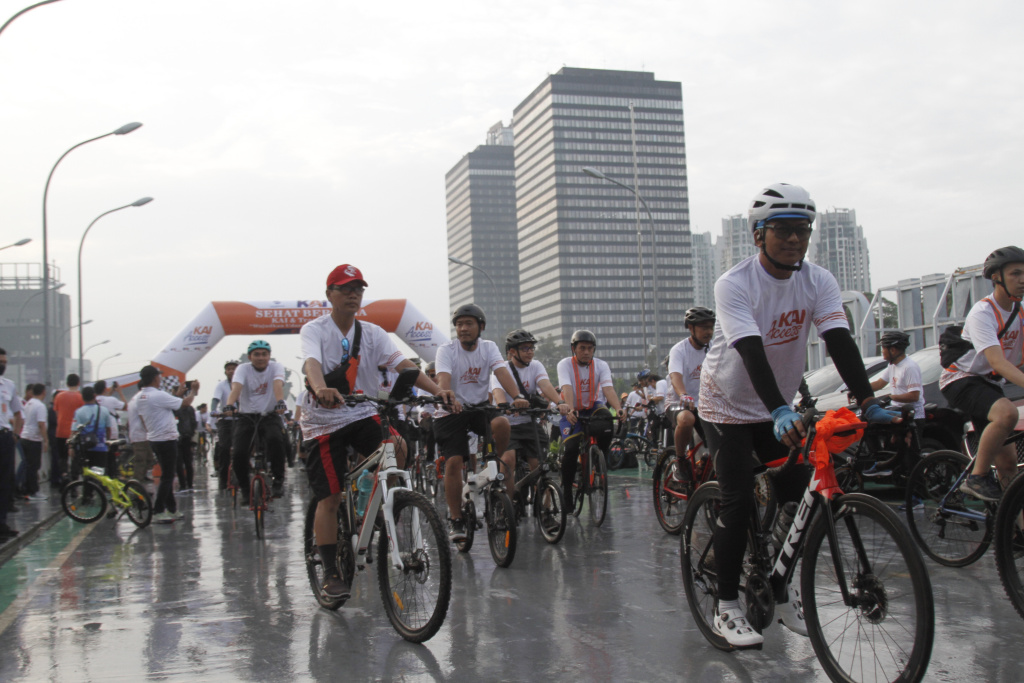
x: 341, y: 356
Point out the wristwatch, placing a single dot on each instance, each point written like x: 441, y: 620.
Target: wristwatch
x: 519, y: 396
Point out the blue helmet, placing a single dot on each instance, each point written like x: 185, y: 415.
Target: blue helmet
x: 643, y: 374
x: 258, y: 344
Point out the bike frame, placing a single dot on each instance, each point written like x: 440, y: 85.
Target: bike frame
x: 381, y: 498
x: 115, y: 487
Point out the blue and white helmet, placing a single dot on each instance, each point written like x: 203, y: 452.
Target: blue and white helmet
x: 781, y: 200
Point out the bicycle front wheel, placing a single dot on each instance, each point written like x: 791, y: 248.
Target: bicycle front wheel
x: 416, y: 595
x: 671, y: 489
x: 1009, y: 534
x: 883, y: 628
x: 952, y: 528
x: 259, y: 490
x: 83, y: 501
x: 501, y: 529
x: 141, y: 510
x: 598, y: 486
x: 549, y: 508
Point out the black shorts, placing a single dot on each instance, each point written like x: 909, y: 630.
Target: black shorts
x: 974, y: 396
x: 327, y: 474
x: 452, y: 432
x: 526, y: 441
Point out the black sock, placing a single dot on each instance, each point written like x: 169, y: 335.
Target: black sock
x: 329, y: 557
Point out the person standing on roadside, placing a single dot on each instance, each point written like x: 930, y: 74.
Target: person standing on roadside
x: 65, y: 404
x: 225, y: 424
x: 156, y: 412
x: 34, y: 440
x: 10, y: 426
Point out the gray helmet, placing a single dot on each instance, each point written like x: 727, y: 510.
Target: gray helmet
x: 1000, y: 257
x: 471, y: 310
x: 582, y: 336
x: 517, y: 337
x: 896, y: 338
x: 698, y: 315
x: 430, y: 367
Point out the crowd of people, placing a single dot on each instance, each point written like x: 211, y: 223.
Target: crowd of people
x: 732, y: 380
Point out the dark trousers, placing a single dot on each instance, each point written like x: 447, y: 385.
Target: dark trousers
x: 222, y: 454
x: 6, y: 473
x: 33, y: 451
x: 185, y: 463
x: 246, y: 428
x: 58, y: 461
x: 167, y: 455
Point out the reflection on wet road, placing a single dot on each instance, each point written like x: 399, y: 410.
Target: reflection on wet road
x: 202, y: 599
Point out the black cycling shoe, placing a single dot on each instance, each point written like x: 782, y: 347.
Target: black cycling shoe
x: 277, y: 489
x: 334, y: 587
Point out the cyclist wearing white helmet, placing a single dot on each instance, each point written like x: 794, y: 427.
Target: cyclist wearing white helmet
x: 257, y: 389
x: 973, y: 383
x: 766, y: 305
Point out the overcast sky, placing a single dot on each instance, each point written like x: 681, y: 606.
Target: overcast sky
x: 281, y: 139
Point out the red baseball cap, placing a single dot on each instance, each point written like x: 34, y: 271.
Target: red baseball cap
x: 344, y: 274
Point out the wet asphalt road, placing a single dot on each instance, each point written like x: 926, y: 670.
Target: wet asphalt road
x: 203, y: 599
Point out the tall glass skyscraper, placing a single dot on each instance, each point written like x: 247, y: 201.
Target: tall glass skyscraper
x: 481, y: 201
x: 578, y: 261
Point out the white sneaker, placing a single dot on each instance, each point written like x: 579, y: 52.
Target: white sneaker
x: 791, y: 613
x: 163, y: 518
x: 734, y: 627
x: 177, y: 515
x: 38, y: 496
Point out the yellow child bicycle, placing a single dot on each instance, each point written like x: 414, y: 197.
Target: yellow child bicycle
x: 85, y: 500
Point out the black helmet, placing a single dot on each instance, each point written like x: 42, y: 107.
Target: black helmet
x: 582, y: 336
x: 896, y: 338
x: 698, y: 315
x: 471, y: 310
x: 1000, y: 257
x: 517, y: 337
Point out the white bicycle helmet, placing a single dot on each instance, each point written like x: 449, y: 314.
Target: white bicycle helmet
x: 781, y: 200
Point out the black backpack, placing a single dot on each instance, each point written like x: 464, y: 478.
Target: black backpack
x: 952, y: 345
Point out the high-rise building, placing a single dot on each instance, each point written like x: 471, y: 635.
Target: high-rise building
x: 481, y: 201
x: 705, y: 269
x: 21, y: 325
x: 736, y: 242
x: 578, y: 234
x: 838, y: 245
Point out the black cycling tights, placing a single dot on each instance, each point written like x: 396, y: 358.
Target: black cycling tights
x: 731, y: 446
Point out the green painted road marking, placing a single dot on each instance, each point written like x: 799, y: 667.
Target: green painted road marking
x: 19, y: 575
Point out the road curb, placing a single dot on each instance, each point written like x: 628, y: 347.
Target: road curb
x: 11, y: 547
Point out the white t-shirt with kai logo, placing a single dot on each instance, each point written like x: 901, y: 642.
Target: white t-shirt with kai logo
x: 582, y: 389
x: 257, y: 387
x: 687, y: 361
x: 470, y: 370
x: 530, y: 376
x: 982, y: 329
x: 749, y: 302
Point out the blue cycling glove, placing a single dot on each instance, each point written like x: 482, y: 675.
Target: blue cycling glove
x: 876, y: 414
x: 785, y: 419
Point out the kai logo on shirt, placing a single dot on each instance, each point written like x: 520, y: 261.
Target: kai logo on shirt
x: 471, y: 376
x: 259, y: 390
x: 787, y: 328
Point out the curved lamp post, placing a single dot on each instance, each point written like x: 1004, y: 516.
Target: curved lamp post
x: 19, y: 243
x: 41, y: 291
x: 123, y: 130
x: 81, y: 243
x: 460, y: 262
x: 594, y: 173
x: 100, y: 364
x: 30, y: 7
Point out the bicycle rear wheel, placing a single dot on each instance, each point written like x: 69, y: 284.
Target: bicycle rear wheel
x: 501, y: 529
x: 83, y: 501
x: 886, y: 628
x: 1009, y: 535
x: 598, y: 486
x: 141, y: 510
x: 314, y: 565
x: 615, y: 454
x: 259, y: 491
x: 416, y: 595
x: 670, y: 492
x: 549, y: 508
x: 944, y: 521
x: 697, y: 560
